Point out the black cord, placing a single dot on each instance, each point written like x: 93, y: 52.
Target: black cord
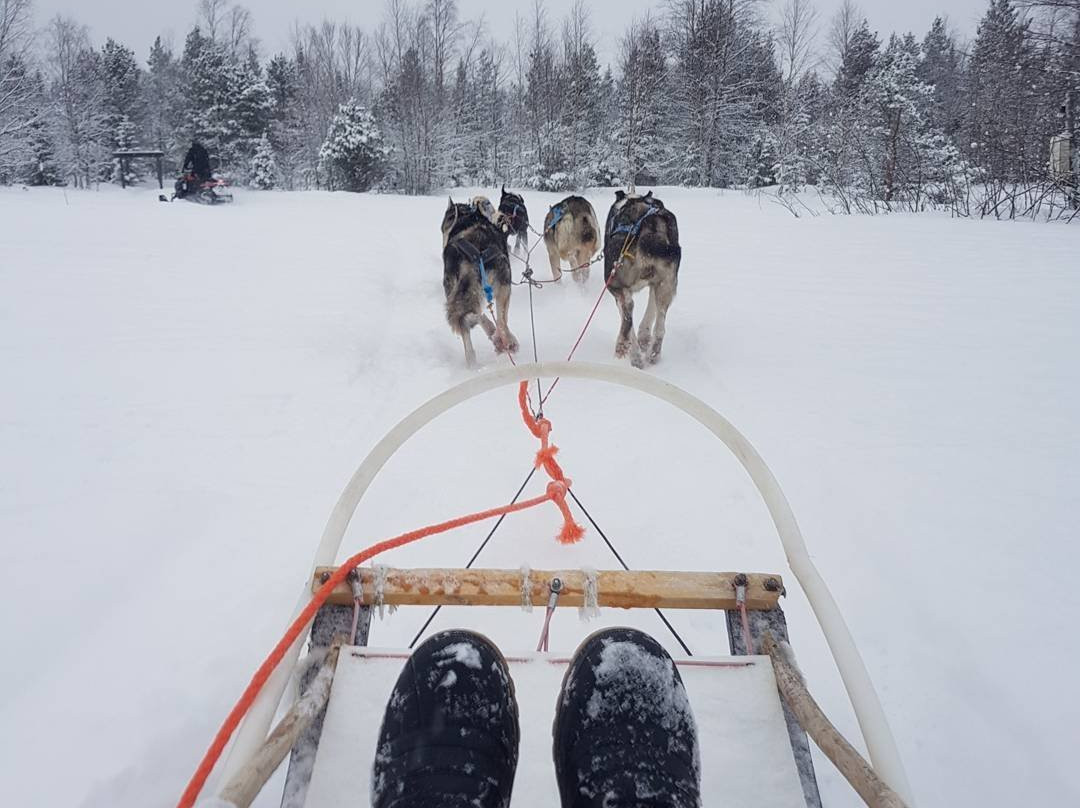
x: 476, y: 555
x: 615, y: 552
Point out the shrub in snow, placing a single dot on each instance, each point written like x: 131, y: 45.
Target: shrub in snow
x: 353, y: 156
x: 263, y: 167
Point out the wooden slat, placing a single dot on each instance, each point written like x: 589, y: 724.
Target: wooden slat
x: 873, y: 790
x: 626, y: 590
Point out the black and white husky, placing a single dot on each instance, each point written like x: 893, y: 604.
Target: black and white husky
x: 641, y: 249
x: 512, y: 206
x: 476, y: 273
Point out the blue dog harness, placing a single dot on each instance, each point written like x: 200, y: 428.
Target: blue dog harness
x: 556, y: 215
x: 632, y: 229
x: 478, y: 258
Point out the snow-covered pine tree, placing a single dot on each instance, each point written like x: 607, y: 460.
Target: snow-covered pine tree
x: 40, y: 167
x: 1000, y: 78
x: 287, y: 114
x: 856, y: 61
x: 162, y: 103
x: 580, y: 80
x: 125, y: 139
x: 940, y: 67
x: 264, y: 172
x: 123, y: 102
x: 641, y: 104
x: 353, y: 156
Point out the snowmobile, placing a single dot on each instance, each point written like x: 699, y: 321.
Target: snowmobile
x: 755, y: 717
x: 206, y: 192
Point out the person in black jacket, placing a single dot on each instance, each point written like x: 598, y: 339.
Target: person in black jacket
x: 197, y: 161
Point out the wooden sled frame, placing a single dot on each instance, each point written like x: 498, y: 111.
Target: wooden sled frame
x: 867, y: 707
x: 614, y: 588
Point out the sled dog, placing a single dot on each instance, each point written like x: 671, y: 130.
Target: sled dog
x: 512, y: 206
x: 641, y: 249
x: 476, y: 272
x: 571, y: 233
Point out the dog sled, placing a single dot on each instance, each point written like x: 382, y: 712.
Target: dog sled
x: 756, y: 718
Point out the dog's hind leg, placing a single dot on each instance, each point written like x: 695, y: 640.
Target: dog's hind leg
x: 665, y: 293
x: 626, y: 343
x: 504, y: 339
x: 644, y: 334
x: 470, y: 352
x: 581, y: 265
x: 553, y: 257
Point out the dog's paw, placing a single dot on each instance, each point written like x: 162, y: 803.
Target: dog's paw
x: 622, y: 348
x: 512, y: 344
x: 637, y: 361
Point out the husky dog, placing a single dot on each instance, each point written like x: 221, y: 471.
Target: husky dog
x: 571, y: 233
x: 475, y: 254
x: 512, y: 206
x: 641, y: 248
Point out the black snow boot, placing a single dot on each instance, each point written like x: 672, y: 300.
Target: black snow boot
x: 449, y: 737
x: 624, y: 733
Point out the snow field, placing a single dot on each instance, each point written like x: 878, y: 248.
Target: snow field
x: 188, y: 389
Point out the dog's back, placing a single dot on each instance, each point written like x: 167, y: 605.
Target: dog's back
x: 571, y: 233
x: 643, y: 228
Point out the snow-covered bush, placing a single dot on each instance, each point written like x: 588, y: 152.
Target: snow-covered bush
x: 264, y: 172
x: 353, y: 156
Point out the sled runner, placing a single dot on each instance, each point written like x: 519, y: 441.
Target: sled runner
x: 752, y: 708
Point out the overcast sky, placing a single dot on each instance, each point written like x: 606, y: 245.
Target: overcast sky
x: 137, y: 22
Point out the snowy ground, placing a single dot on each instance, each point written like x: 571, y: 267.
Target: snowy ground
x: 186, y: 391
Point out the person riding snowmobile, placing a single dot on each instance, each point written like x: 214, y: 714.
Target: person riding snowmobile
x: 196, y: 164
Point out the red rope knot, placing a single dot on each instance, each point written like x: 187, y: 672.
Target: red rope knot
x: 571, y: 531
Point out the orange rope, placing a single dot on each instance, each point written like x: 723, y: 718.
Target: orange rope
x: 545, y: 459
x: 556, y: 492
x: 571, y: 532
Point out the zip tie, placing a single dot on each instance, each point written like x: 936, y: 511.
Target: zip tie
x: 740, y: 600
x: 591, y: 606
x: 526, y: 589
x: 356, y: 585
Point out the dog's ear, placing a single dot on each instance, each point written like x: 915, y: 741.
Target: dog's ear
x: 449, y: 202
x: 648, y: 195
x: 620, y: 195
x: 504, y: 190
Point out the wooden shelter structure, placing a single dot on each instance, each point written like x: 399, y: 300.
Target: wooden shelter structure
x: 125, y: 156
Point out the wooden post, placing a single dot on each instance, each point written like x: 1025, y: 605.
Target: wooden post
x: 873, y: 790
x: 330, y: 621
x: 762, y: 623
x: 160, y: 174
x: 123, y: 171
x: 245, y: 785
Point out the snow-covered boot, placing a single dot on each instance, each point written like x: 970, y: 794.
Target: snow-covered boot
x: 449, y: 737
x: 624, y: 733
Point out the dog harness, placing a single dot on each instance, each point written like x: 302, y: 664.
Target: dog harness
x: 632, y: 229
x: 478, y: 258
x: 556, y: 215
